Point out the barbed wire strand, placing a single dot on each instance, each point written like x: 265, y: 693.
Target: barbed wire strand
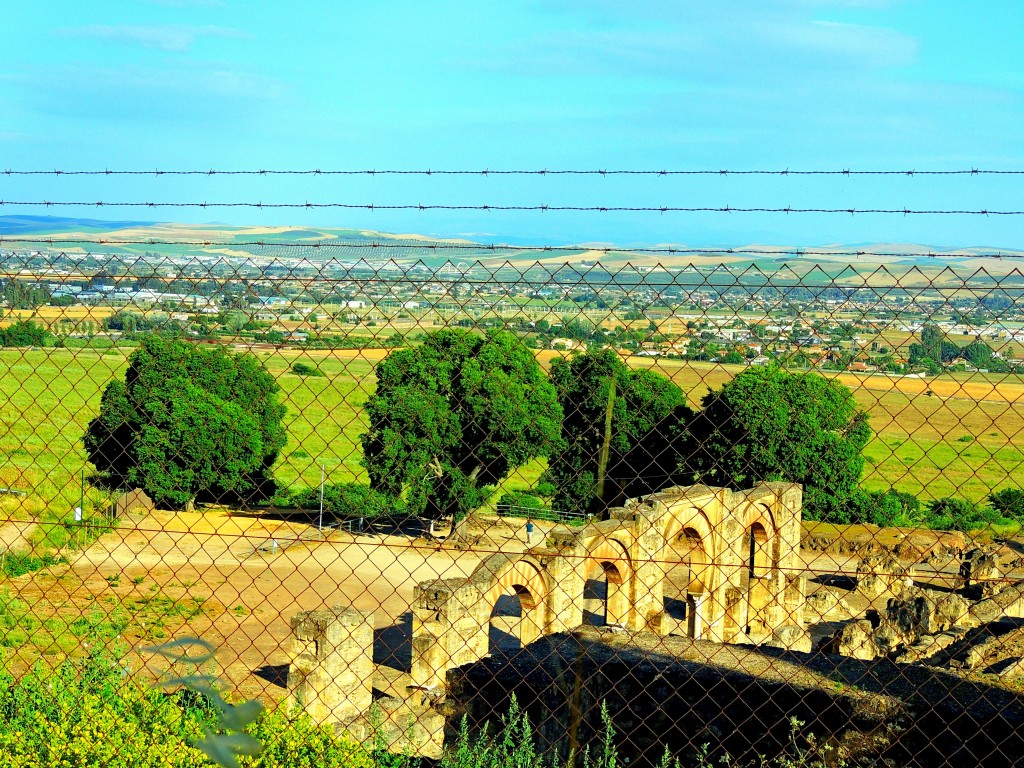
x: 520, y: 172
x: 485, y: 207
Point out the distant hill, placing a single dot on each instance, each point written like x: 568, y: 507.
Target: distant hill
x: 319, y: 243
x: 24, y: 225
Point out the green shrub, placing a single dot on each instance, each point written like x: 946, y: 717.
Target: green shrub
x: 19, y: 563
x: 884, y: 508
x: 345, y: 501
x: 90, y: 712
x: 1008, y: 502
x: 545, y: 489
x: 521, y: 499
x: 305, y: 369
x: 959, y: 515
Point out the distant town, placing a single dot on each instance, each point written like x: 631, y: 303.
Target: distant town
x: 739, y: 317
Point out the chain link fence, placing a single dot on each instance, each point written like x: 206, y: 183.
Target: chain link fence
x: 760, y: 512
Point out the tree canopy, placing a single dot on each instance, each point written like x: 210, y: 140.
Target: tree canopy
x: 189, y: 424
x: 452, y: 416
x: 649, y: 415
x: 25, y: 333
x: 767, y: 424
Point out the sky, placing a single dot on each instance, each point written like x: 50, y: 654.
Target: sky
x: 556, y: 84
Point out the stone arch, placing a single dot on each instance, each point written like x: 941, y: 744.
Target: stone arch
x: 760, y: 511
x: 758, y: 555
x: 691, y: 561
x: 524, y: 578
x: 616, y: 567
x: 695, y: 541
x: 760, y: 550
x: 760, y: 546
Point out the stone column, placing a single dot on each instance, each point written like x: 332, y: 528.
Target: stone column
x: 331, y: 671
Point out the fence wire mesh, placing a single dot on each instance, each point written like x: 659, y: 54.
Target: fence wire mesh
x: 754, y: 511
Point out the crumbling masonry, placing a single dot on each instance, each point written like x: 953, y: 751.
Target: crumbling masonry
x: 739, y: 552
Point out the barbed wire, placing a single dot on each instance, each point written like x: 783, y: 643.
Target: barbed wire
x: 485, y: 207
x: 518, y: 172
x: 463, y: 246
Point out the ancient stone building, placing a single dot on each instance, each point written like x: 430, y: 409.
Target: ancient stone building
x: 708, y: 563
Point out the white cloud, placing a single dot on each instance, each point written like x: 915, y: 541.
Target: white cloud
x: 167, y: 37
x: 871, y: 46
x: 708, y: 49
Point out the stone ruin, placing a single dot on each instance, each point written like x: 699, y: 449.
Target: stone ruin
x: 734, y: 559
x: 133, y: 501
x: 919, y: 624
x: 739, y: 550
x: 332, y: 663
x: 738, y: 553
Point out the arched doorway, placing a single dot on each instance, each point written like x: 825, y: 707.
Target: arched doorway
x: 505, y: 631
x: 688, y: 577
x: 516, y: 605
x: 606, y: 600
x: 604, y: 582
x: 759, y: 566
x: 759, y: 561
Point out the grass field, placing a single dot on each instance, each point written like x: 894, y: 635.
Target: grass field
x: 965, y: 439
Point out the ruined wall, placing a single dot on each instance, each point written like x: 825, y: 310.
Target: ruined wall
x: 741, y: 550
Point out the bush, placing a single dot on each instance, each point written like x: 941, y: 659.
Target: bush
x: 25, y: 333
x: 959, y: 515
x: 347, y: 501
x: 88, y: 712
x: 522, y: 499
x: 884, y: 508
x: 1008, y: 502
x: 545, y: 489
x: 19, y: 563
x: 305, y: 369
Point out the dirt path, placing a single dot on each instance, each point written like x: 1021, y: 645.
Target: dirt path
x: 16, y: 535
x: 249, y: 591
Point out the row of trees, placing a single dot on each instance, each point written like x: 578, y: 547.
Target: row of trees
x: 452, y: 417
x: 935, y: 350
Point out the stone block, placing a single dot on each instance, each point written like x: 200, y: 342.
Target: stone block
x: 331, y: 671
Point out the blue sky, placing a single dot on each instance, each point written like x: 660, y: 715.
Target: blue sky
x: 860, y: 84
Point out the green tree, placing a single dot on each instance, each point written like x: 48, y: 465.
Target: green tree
x: 648, y: 419
x: 125, y: 320
x: 452, y: 416
x: 25, y: 333
x: 936, y: 346
x: 235, y: 321
x: 977, y: 353
x: 21, y: 295
x: 300, y: 368
x: 767, y: 424
x: 189, y: 424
